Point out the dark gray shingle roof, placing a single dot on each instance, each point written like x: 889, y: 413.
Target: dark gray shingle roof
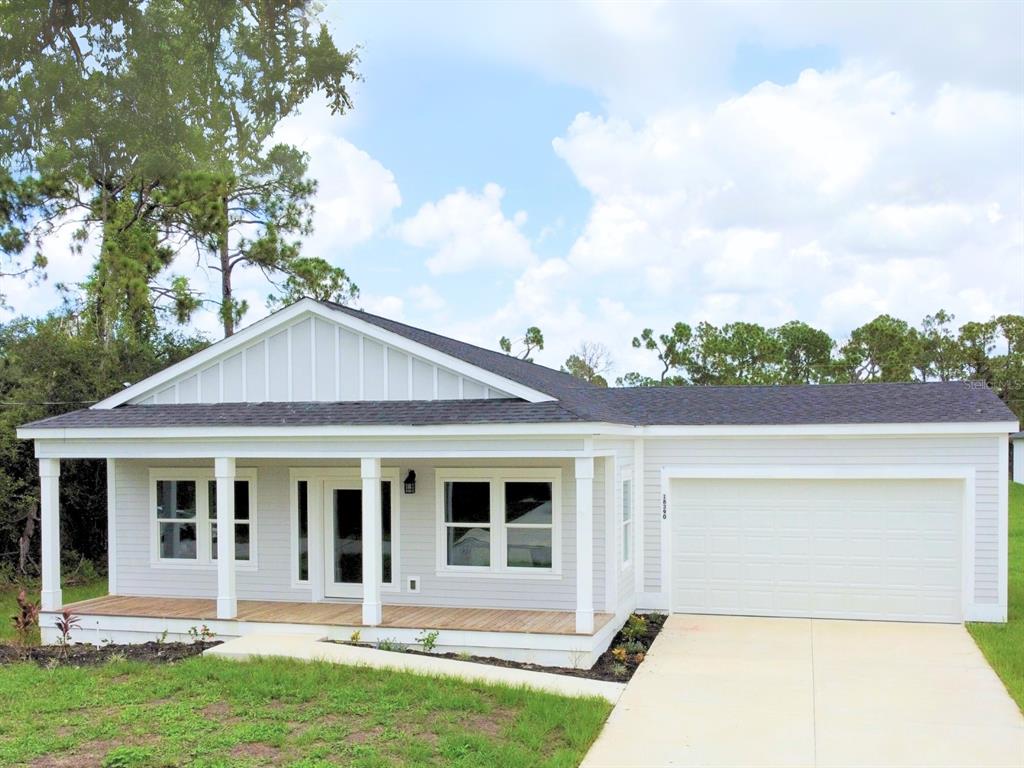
x: 641, y: 406
x: 380, y: 413
x: 538, y: 377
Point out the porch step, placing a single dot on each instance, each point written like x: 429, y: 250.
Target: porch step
x: 307, y: 648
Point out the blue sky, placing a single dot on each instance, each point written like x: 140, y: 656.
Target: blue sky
x: 600, y: 168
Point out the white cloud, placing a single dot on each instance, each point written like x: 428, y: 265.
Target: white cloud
x: 839, y: 196
x: 468, y: 231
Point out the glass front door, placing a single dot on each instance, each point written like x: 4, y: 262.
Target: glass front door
x: 343, y: 539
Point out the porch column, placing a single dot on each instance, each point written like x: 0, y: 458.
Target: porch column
x: 227, y: 600
x: 372, y: 612
x: 49, y: 521
x: 585, y: 545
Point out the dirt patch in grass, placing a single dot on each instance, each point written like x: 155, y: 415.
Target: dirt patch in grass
x: 89, y: 754
x: 257, y: 751
x: 217, y: 710
x: 86, y: 655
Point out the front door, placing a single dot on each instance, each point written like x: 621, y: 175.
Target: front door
x: 343, y: 529
x: 343, y: 537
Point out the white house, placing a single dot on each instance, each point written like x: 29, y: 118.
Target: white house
x: 326, y: 471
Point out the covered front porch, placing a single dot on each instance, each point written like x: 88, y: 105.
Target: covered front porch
x: 506, y: 548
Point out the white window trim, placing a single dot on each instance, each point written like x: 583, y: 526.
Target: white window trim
x: 624, y: 533
x: 201, y: 477
x: 497, y: 477
x: 317, y: 477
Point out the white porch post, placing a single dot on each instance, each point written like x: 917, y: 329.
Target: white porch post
x: 585, y: 545
x: 372, y: 612
x: 227, y: 600
x: 49, y: 514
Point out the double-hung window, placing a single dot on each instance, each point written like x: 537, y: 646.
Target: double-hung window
x: 243, y: 520
x: 176, y: 516
x: 494, y: 521
x: 184, y: 516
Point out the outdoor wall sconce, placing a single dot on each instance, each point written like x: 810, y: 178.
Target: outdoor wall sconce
x: 410, y: 482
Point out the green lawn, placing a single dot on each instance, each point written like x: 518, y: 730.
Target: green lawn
x: 1003, y: 644
x: 9, y: 604
x: 212, y: 712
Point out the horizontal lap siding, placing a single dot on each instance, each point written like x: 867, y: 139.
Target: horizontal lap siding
x: 272, y: 581
x: 978, y: 452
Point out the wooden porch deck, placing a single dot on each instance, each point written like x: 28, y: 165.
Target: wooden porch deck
x: 341, y: 614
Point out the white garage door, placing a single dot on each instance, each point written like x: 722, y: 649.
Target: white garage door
x: 866, y: 549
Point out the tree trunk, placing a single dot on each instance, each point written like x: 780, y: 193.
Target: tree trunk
x: 227, y: 306
x: 25, y: 543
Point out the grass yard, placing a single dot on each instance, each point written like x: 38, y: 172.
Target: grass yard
x: 1003, y: 644
x: 212, y: 712
x: 9, y: 602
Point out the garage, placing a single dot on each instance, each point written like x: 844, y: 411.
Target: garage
x: 822, y: 547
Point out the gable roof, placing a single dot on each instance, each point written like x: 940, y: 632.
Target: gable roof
x: 532, y: 375
x: 936, y: 402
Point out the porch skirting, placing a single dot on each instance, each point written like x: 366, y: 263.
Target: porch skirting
x: 540, y: 637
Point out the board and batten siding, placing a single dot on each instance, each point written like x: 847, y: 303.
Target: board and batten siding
x: 318, y: 360
x: 980, y: 452
x: 271, y: 580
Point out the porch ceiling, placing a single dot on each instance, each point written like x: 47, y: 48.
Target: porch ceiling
x: 341, y: 614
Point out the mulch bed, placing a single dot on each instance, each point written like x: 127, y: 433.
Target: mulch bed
x: 607, y: 667
x: 85, y: 655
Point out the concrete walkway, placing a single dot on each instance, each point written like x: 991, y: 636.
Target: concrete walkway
x: 731, y: 691
x: 310, y: 649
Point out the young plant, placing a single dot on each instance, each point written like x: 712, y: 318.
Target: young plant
x: 201, y: 634
x: 619, y: 653
x: 619, y: 670
x: 26, y: 618
x: 390, y: 644
x: 634, y: 646
x: 65, y: 623
x: 639, y: 657
x: 354, y: 637
x: 635, y: 627
x: 428, y: 640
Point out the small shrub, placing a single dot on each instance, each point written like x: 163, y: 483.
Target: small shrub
x: 390, y: 644
x: 201, y: 634
x: 162, y: 637
x: 638, y: 658
x: 428, y: 640
x: 26, y: 618
x: 635, y: 627
x: 464, y: 656
x: 619, y: 654
x: 634, y: 646
x: 619, y: 670
x: 64, y: 624
x: 355, y: 637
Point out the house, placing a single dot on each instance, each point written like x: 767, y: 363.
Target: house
x: 328, y: 471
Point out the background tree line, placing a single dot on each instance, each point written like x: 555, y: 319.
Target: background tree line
x: 885, y: 349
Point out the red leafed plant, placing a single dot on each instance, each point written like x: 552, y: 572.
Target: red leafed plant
x: 26, y: 617
x: 64, y: 624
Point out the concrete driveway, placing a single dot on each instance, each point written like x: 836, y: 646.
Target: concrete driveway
x: 732, y: 691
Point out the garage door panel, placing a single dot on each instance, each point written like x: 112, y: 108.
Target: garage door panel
x: 829, y: 548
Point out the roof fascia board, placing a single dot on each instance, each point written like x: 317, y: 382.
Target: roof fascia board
x: 597, y: 429
x: 294, y: 313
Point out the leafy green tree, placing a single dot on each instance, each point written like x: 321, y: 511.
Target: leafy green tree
x: 532, y: 339
x: 591, y: 362
x: 52, y: 365
x: 806, y: 354
x: 255, y: 217
x: 673, y: 350
x: 940, y: 354
x: 881, y: 350
x: 103, y: 105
